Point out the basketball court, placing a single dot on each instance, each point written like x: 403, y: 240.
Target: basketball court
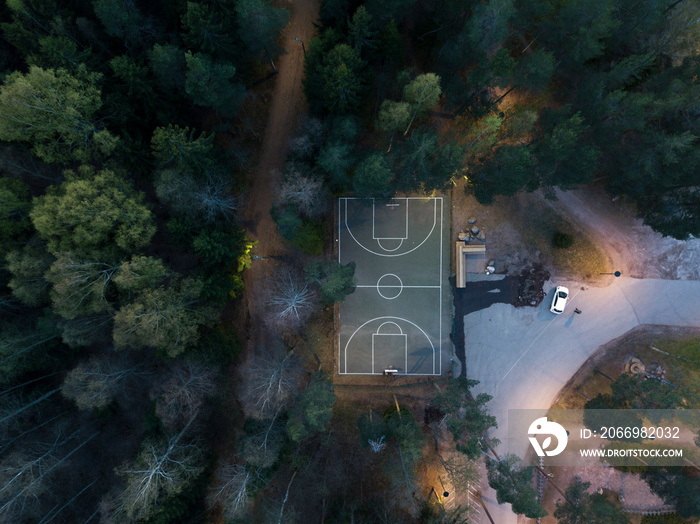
x: 399, y: 316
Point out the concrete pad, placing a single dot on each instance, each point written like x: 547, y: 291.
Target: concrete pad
x: 524, y: 356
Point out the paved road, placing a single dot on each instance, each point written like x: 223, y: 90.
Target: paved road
x: 477, y: 296
x: 523, y: 357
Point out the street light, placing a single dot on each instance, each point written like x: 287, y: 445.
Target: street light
x: 445, y: 493
x: 616, y: 273
x: 303, y: 47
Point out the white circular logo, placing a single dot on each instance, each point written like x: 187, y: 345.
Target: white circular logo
x: 542, y: 426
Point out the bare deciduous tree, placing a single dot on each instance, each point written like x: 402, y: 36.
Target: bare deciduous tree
x: 262, y: 445
x: 24, y: 476
x: 80, y: 285
x: 306, y: 192
x: 230, y: 490
x: 290, y: 301
x: 209, y: 199
x: 94, y: 384
x: 160, y: 470
x: 377, y: 445
x: 270, y: 382
x: 181, y: 397
x: 308, y: 140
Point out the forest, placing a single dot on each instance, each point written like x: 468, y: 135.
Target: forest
x: 129, y: 134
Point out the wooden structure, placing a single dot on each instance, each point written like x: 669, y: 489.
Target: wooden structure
x: 464, y: 253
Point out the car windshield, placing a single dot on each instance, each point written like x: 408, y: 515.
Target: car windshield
x: 562, y: 294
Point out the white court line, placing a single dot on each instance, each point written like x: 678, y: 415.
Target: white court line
x: 405, y: 344
x: 374, y: 236
x: 390, y: 250
x: 440, y: 273
x: 385, y: 323
x: 387, y: 285
x: 397, y: 254
x: 340, y: 324
x: 442, y: 219
x: 402, y: 374
x: 388, y: 318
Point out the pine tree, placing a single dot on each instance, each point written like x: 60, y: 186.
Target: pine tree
x: 93, y: 210
x: 55, y: 111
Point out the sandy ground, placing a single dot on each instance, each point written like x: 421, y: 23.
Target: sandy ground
x: 288, y: 103
x: 631, y: 247
x: 635, y: 249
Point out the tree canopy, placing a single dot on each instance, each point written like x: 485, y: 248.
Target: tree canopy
x: 55, y: 110
x: 91, y: 211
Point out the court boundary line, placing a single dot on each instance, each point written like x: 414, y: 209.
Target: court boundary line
x: 442, y: 220
x: 405, y: 346
x: 410, y: 287
x: 439, y: 286
x: 383, y: 254
x: 374, y: 205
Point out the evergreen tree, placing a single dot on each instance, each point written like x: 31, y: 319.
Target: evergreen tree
x: 14, y: 210
x: 513, y: 484
x: 122, y: 19
x: 361, y: 32
x: 92, y: 210
x: 25, y: 346
x: 166, y: 319
x: 509, y: 171
x: 60, y: 51
x: 313, y: 411
x: 580, y: 507
x: 466, y: 415
x: 564, y: 157
x: 372, y: 177
x: 55, y: 111
x: 336, y: 159
x: 211, y: 84
x: 424, y: 163
x: 677, y: 486
x: 167, y: 62
x: 27, y: 267
x: 343, y: 84
x: 259, y: 24
x: 134, y: 77
x: 206, y: 28
x: 178, y: 147
x: 335, y: 281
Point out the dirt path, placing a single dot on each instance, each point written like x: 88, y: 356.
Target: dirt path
x: 288, y: 103
x: 633, y: 248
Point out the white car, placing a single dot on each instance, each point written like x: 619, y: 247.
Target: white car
x: 561, y: 294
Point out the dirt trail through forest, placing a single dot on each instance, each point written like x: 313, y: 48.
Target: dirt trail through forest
x: 288, y: 103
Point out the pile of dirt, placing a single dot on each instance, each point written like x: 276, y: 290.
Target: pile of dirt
x: 530, y: 286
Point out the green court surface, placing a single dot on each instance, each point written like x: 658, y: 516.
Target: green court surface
x: 399, y: 315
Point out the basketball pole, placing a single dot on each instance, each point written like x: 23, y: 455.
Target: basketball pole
x: 398, y: 409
